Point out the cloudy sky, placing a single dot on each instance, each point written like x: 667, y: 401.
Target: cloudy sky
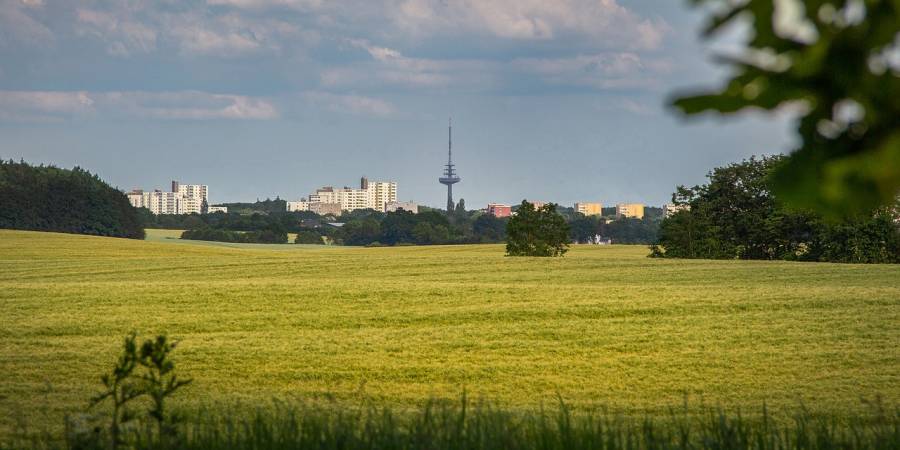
x: 559, y: 100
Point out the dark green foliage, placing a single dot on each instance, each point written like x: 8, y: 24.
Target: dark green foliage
x: 46, y: 198
x: 308, y: 237
x: 736, y: 216
x: 537, y: 232
x: 160, y: 382
x: 273, y: 235
x: 121, y: 388
x: 839, y: 75
x: 266, y: 206
x: 440, y: 425
x: 489, y: 228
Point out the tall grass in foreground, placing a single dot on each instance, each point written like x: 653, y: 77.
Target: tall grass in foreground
x: 467, y: 425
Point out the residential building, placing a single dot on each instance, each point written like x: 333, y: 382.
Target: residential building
x: 300, y: 205
x: 537, y: 203
x: 380, y: 193
x: 183, y: 199
x: 158, y: 202
x: 589, y: 209
x: 635, y: 210
x: 499, y: 210
x: 191, y: 190
x: 370, y: 195
x: 401, y: 206
x: 669, y: 209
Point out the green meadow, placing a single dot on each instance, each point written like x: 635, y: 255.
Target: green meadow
x: 605, y: 326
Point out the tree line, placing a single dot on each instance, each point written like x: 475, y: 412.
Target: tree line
x: 736, y: 216
x: 48, y: 198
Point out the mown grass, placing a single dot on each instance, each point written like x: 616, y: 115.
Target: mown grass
x: 604, y: 326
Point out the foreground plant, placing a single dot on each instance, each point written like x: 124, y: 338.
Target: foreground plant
x: 160, y: 382
x: 834, y: 62
x: 122, y: 386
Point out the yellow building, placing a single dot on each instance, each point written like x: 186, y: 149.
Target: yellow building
x: 635, y: 210
x: 589, y: 209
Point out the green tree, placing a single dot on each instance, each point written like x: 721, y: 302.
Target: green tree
x: 537, y: 232
x: 833, y: 62
x: 736, y: 216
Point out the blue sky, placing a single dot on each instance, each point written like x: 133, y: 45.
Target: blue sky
x: 551, y: 100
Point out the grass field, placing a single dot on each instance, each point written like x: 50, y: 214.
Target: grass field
x: 602, y: 326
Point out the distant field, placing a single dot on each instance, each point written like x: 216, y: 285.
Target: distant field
x: 602, y: 326
x: 174, y: 236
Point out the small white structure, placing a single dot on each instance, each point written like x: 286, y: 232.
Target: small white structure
x: 299, y: 205
x: 215, y: 209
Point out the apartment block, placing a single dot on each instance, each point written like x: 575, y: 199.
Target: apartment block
x: 300, y: 205
x: 499, y: 210
x: 635, y: 210
x: 183, y: 199
x: 589, y: 209
x: 370, y: 195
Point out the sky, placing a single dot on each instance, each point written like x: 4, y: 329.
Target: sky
x: 561, y: 101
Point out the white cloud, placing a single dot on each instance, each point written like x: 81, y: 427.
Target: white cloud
x: 604, y: 71
x: 262, y: 4
x: 18, y: 27
x: 194, y: 105
x: 129, y: 29
x: 530, y: 20
x: 390, y: 67
x: 122, y: 34
x: 353, y: 104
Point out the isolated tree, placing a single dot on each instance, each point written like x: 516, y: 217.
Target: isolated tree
x: 537, y: 232
x: 834, y: 62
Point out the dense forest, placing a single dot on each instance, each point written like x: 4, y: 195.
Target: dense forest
x: 736, y: 216
x: 47, y: 198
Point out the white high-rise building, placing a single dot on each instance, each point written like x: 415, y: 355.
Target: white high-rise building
x: 370, y: 195
x: 184, y: 199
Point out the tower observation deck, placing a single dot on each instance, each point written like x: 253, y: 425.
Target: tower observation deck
x: 450, y: 178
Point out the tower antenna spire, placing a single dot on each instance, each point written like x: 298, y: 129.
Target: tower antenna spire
x: 450, y: 178
x: 449, y: 139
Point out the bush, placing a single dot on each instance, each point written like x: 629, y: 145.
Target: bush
x: 43, y: 198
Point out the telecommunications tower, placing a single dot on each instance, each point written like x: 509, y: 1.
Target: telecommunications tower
x: 450, y: 178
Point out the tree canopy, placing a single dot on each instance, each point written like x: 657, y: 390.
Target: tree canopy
x: 736, y: 216
x: 834, y: 63
x: 537, y: 232
x: 47, y: 198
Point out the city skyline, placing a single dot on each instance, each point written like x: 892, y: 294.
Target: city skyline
x: 563, y: 100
